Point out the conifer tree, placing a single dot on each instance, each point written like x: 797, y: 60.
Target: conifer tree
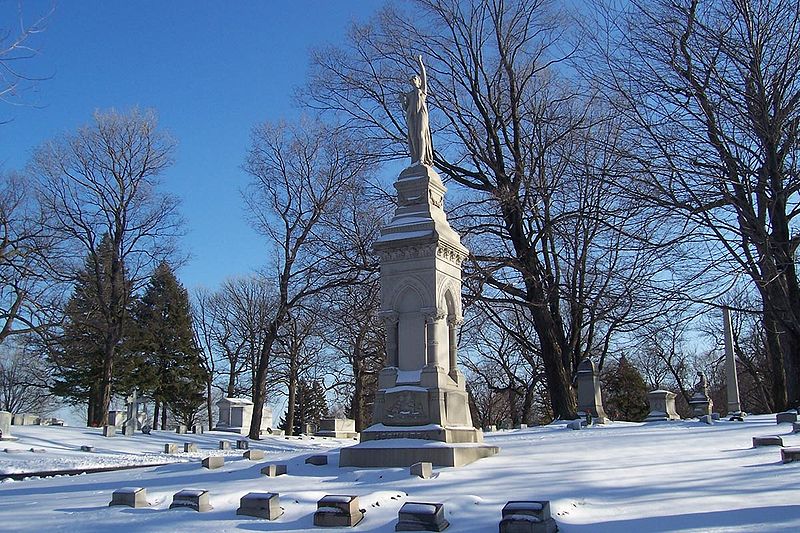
x: 624, y: 392
x: 310, y: 406
x: 173, y: 373
x: 78, y: 355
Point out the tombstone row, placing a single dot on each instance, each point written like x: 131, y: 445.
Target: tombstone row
x: 340, y: 510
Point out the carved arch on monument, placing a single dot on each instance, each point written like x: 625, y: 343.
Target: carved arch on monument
x: 409, y: 300
x: 449, y: 299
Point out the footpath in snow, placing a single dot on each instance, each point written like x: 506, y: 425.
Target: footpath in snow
x: 622, y: 477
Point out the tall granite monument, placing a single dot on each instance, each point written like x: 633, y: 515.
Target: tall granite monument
x: 421, y: 407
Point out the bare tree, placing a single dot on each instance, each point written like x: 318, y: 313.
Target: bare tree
x: 28, y: 294
x: 101, y: 187
x: 711, y: 94
x: 23, y: 381
x: 17, y: 48
x: 300, y: 175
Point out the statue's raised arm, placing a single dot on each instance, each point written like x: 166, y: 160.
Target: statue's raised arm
x: 420, y: 147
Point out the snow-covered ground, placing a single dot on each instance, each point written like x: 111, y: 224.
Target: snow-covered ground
x: 678, y: 476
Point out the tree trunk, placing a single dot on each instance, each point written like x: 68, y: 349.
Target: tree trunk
x: 260, y: 383
x: 164, y: 415
x: 290, y: 409
x: 156, y: 407
x: 209, y: 407
x: 776, y: 358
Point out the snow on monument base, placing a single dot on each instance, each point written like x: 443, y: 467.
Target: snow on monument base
x: 406, y: 452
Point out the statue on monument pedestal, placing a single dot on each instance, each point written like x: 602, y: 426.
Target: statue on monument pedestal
x: 420, y: 146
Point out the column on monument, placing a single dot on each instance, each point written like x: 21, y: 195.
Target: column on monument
x: 452, y: 330
x: 390, y: 320
x: 432, y: 319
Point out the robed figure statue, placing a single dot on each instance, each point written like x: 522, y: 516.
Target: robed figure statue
x: 420, y: 147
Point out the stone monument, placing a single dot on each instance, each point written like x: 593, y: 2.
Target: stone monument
x: 732, y: 380
x: 235, y: 415
x: 133, y: 417
x: 662, y: 406
x: 421, y: 407
x: 5, y: 426
x: 700, y: 403
x: 590, y: 400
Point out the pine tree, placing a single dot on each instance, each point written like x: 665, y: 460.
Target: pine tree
x: 624, y: 392
x: 94, y: 318
x: 173, y: 373
x: 310, y: 405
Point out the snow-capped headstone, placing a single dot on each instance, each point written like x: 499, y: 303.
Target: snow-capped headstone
x: 224, y: 445
x: 180, y: 429
x: 590, y: 399
x: 786, y: 417
x: 274, y: 470
x: 419, y: 516
x: 213, y: 461
x: 242, y: 444
x: 790, y: 455
x: 767, y: 440
x: 129, y: 496
x: 235, y: 415
x: 662, y: 406
x: 527, y: 517
x: 339, y: 428
x: 338, y: 511
x: 109, y: 431
x: 189, y: 447
x: 196, y: 499
x: 170, y: 448
x: 317, y: 460
x: 261, y: 505
x: 198, y: 429
x: 423, y: 470
x: 253, y: 455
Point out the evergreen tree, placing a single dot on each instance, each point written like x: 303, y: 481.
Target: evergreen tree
x: 91, y: 323
x: 624, y: 392
x: 173, y: 373
x: 310, y: 405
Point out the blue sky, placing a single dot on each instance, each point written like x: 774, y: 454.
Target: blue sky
x: 212, y: 70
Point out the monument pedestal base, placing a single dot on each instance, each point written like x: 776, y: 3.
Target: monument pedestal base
x: 406, y: 452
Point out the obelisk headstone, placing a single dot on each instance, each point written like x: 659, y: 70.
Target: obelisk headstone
x: 732, y: 380
x: 590, y: 399
x: 421, y: 394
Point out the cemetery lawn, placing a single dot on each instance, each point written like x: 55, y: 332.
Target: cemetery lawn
x: 622, y: 477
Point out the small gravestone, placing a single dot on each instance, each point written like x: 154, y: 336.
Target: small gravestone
x: 13, y: 450
x: 521, y: 426
x: 254, y: 455
x: 170, y: 448
x: 662, y: 406
x: 109, y: 431
x: 86, y: 448
x: 340, y: 428
x: 198, y: 429
x: 769, y: 440
x: 491, y: 428
x: 196, y: 499
x: 180, y: 430
x: 38, y: 450
x: 790, y: 455
x: 416, y: 516
x: 700, y: 402
x: 146, y: 429
x: 224, y: 445
x: 5, y: 425
x: 213, y: 461
x: 715, y: 416
x: 786, y: 417
x: 130, y: 496
x: 189, y: 447
x: 309, y: 429
x: 261, y: 505
x: 575, y: 424
x: 274, y: 470
x: 423, y: 470
x: 706, y: 419
x: 338, y: 511
x: 242, y: 444
x: 527, y: 517
x: 317, y: 460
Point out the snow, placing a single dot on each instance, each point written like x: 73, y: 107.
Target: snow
x: 622, y: 477
x: 419, y: 508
